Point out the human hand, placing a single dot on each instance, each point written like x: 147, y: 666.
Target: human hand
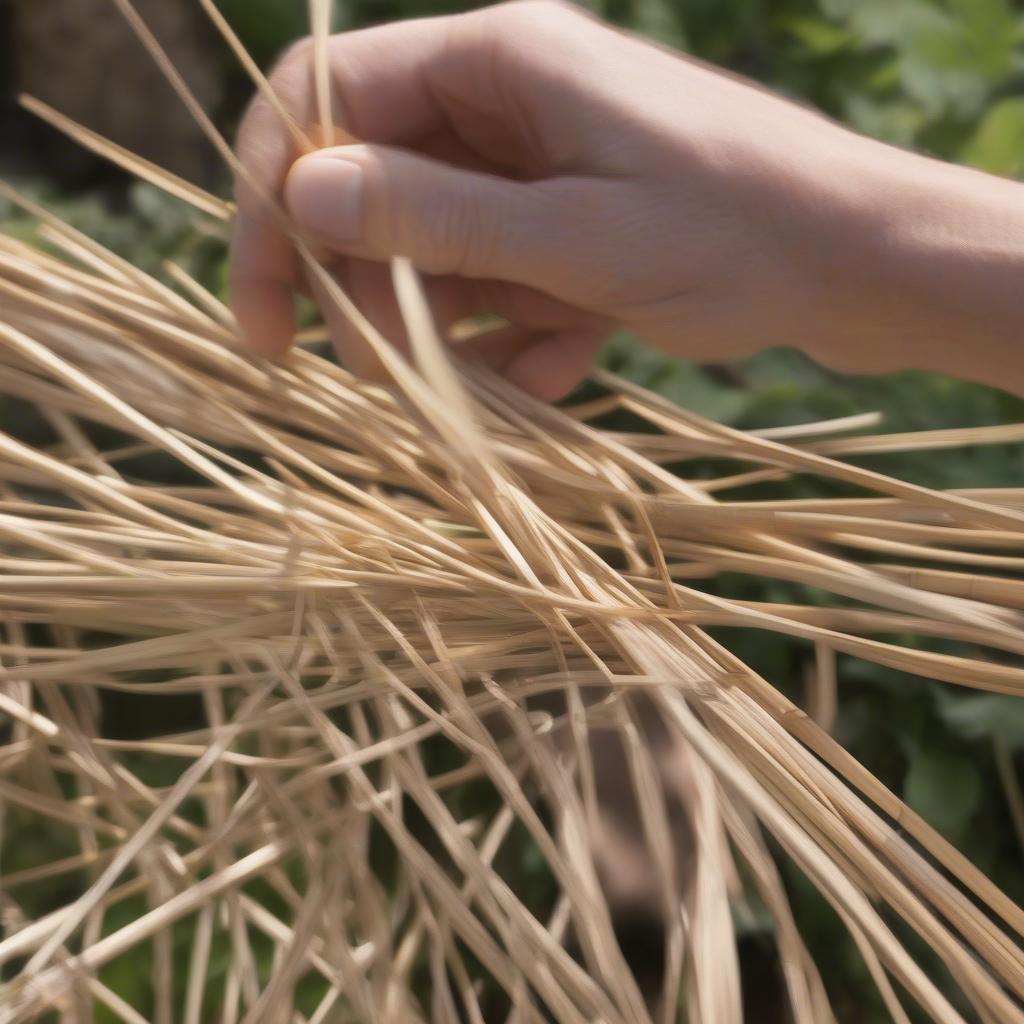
x: 541, y: 166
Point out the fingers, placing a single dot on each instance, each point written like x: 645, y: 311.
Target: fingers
x: 547, y: 348
x: 263, y: 276
x: 376, y: 202
x: 547, y: 364
x: 397, y: 83
x: 394, y: 85
x: 551, y: 365
x: 379, y: 78
x: 263, y: 263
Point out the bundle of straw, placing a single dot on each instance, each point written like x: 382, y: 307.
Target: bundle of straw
x: 417, y: 620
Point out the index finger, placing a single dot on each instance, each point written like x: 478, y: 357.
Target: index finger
x: 378, y: 77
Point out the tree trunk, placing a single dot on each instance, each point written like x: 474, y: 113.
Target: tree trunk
x: 81, y: 57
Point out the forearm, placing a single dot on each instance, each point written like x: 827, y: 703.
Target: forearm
x: 713, y: 227
x: 931, y: 273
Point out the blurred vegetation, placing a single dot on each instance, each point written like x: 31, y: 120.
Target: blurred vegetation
x: 943, y: 76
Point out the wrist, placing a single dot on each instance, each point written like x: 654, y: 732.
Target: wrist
x: 928, y: 272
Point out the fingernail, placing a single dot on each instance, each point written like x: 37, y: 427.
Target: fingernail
x: 324, y: 195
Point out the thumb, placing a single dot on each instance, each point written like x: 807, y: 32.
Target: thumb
x: 375, y: 202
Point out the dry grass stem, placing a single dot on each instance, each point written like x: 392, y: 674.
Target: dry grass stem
x: 441, y: 656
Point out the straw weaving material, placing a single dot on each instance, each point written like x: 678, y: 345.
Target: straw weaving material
x: 410, y: 616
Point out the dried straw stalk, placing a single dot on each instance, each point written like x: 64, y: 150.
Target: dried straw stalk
x: 421, y: 621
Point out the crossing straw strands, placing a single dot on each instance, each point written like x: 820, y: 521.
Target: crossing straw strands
x: 413, y: 626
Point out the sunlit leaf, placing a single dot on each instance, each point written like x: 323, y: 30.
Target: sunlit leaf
x: 998, y: 143
x: 820, y: 38
x: 989, y: 716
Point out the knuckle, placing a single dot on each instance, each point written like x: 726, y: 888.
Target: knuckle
x: 471, y: 238
x: 381, y: 219
x: 298, y: 53
x: 263, y: 145
x: 430, y: 225
x: 291, y: 78
x: 527, y: 16
x: 542, y: 11
x: 457, y: 238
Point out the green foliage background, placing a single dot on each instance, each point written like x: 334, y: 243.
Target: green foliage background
x: 943, y: 76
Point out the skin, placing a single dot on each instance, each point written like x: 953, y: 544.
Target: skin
x: 536, y: 164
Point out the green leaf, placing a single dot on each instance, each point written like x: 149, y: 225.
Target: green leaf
x: 896, y: 121
x: 819, y: 38
x: 893, y: 22
x: 990, y: 716
x: 954, y: 63
x: 660, y: 20
x: 997, y: 145
x: 940, y: 78
x: 988, y: 33
x: 694, y: 389
x: 944, y: 789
